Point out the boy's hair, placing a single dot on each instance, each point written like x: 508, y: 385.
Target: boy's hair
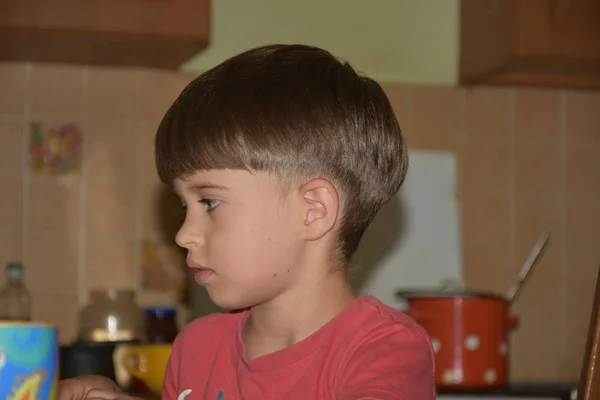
x: 297, y: 112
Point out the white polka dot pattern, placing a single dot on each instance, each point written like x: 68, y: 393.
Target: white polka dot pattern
x: 435, y: 343
x: 489, y: 376
x: 503, y: 349
x: 448, y: 377
x: 472, y: 342
x: 452, y: 376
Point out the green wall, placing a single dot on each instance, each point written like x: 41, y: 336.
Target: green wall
x: 413, y: 41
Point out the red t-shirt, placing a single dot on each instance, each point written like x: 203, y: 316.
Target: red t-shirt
x: 368, y: 351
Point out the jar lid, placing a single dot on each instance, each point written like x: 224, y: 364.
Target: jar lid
x: 14, y: 270
x: 161, y: 311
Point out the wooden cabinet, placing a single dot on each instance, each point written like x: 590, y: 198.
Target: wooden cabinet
x: 150, y: 33
x: 530, y: 42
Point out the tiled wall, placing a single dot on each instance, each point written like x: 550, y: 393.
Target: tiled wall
x: 530, y: 160
x: 80, y: 231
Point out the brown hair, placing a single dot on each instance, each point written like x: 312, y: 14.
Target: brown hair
x: 295, y: 111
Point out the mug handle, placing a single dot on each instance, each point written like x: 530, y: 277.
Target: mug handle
x: 135, y: 353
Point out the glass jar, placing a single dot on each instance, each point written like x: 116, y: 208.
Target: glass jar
x: 111, y: 316
x: 161, y: 325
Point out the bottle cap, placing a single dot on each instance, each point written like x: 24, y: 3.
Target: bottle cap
x: 161, y: 311
x: 14, y: 270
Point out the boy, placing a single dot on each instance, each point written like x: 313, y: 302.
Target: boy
x: 282, y: 156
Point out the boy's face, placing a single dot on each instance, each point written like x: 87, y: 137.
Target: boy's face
x: 243, y: 234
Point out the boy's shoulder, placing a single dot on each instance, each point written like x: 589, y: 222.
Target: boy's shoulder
x: 370, y: 319
x: 372, y: 308
x: 365, y: 319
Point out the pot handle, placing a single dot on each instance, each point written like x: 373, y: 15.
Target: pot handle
x: 513, y: 321
x: 412, y: 313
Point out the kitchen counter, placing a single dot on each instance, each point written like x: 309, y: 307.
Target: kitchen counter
x: 519, y: 391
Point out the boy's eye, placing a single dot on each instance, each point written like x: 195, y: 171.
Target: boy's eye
x: 210, y: 204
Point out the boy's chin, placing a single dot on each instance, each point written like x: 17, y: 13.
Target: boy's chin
x: 229, y: 303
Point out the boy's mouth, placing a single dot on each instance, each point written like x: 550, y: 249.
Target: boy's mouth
x: 201, y: 274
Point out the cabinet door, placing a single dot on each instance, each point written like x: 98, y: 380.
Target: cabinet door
x: 159, y: 17
x: 153, y: 33
x: 530, y: 42
x: 558, y: 29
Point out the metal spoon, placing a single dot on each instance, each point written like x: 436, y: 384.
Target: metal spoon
x: 529, y: 262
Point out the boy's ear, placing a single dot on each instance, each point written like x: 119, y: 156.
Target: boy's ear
x: 321, y: 202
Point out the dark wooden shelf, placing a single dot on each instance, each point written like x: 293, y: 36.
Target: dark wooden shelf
x: 144, y: 33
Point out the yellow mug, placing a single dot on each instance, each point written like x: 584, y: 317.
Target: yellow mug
x: 147, y: 363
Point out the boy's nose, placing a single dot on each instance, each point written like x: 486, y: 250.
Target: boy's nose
x: 188, y: 236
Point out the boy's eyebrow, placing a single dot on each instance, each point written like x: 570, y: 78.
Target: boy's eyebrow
x: 206, y: 185
x: 196, y: 187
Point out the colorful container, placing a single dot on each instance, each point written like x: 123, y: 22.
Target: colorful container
x: 28, y: 361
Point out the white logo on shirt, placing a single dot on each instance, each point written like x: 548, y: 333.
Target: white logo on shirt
x: 184, y: 394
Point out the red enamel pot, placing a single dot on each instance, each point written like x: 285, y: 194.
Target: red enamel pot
x: 469, y: 333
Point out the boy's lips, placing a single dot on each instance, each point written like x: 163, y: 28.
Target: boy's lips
x: 201, y: 273
x: 194, y: 265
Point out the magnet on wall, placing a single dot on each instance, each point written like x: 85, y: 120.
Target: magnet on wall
x: 162, y: 267
x: 55, y: 148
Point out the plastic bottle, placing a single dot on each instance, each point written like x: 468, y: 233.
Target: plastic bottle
x: 15, y: 301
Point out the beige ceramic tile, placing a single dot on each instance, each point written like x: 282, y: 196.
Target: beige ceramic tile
x: 11, y: 149
x: 488, y: 113
x: 158, y: 90
x: 56, y: 90
x: 58, y: 310
x: 533, y: 216
x: 486, y: 219
x: 146, y: 167
x: 161, y: 213
x: 401, y: 100
x: 109, y: 264
x: 537, y: 115
x: 486, y: 267
x: 583, y: 116
x: 10, y: 251
x: 583, y: 261
x: 583, y: 169
x: 110, y: 210
x: 538, y: 170
x: 540, y: 337
x: 111, y: 93
x: 583, y: 224
x: 111, y: 150
x: 438, y: 118
x: 487, y: 241
x: 52, y: 265
x: 487, y: 166
x: 582, y: 273
x: 11, y: 206
x: 54, y: 208
x: 14, y: 88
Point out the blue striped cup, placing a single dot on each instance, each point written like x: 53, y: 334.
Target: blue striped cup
x: 28, y: 361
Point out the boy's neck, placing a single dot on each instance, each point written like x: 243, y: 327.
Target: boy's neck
x: 295, y: 315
